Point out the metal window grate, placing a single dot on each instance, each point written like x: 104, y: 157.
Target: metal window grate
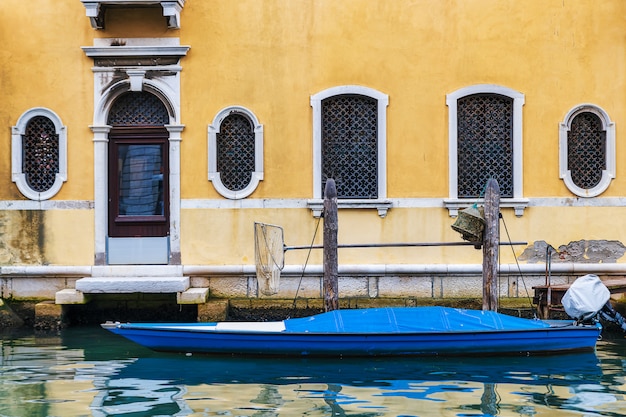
x: 138, y: 109
x: 235, y: 152
x: 485, y: 144
x: 586, y: 150
x: 350, y: 145
x: 40, y: 158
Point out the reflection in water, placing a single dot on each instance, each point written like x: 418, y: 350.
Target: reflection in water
x: 132, y: 396
x: 489, y: 400
x: 87, y: 372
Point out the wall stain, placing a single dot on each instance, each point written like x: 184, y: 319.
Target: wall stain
x: 22, y: 237
x: 581, y: 251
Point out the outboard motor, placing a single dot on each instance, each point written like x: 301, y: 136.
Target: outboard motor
x: 608, y: 313
x: 587, y: 298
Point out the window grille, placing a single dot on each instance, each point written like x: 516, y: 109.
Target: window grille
x: 138, y: 109
x: 235, y: 152
x: 349, y: 145
x: 485, y: 144
x: 586, y: 150
x: 40, y: 160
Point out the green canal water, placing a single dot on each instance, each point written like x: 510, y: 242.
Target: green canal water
x: 90, y: 372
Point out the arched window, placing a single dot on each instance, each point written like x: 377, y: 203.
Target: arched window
x: 484, y: 144
x: 235, y: 152
x: 350, y: 146
x: 39, y: 154
x: 587, y: 150
x: 485, y: 140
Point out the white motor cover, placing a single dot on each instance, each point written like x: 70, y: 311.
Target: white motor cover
x: 585, y: 297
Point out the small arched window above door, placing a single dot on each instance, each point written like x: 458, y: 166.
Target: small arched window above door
x: 138, y: 109
x: 39, y: 154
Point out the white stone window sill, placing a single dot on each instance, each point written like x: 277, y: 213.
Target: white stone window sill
x: 382, y: 206
x: 454, y: 205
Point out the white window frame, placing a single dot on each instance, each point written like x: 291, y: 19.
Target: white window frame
x: 381, y: 203
x: 214, y: 174
x: 17, y: 146
x: 607, y: 174
x: 454, y: 203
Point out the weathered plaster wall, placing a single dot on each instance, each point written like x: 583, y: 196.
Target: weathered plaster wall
x: 22, y: 237
x: 583, y: 251
x: 46, y: 237
x: 271, y: 56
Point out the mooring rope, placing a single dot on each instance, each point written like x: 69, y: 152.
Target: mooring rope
x: 306, y: 261
x: 518, y: 265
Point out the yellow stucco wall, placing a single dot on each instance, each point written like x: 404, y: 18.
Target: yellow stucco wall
x: 271, y: 56
x: 558, y: 54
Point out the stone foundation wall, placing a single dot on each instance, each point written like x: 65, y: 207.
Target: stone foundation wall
x: 357, y: 285
x: 393, y: 286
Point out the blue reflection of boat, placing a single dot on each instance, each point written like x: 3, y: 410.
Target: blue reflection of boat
x: 391, y: 331
x: 561, y: 370
x: 172, y: 382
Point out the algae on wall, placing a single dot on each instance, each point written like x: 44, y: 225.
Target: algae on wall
x: 22, y: 237
x: 8, y: 318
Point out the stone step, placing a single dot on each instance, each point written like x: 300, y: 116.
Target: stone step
x: 193, y: 296
x: 189, y: 296
x: 119, y: 285
x: 70, y: 296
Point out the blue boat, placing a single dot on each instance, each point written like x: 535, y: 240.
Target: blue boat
x: 389, y: 331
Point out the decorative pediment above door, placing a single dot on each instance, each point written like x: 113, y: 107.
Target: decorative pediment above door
x: 135, y: 52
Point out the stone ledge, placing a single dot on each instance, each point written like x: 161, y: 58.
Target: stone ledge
x: 70, y: 296
x: 193, y: 296
x: 119, y: 285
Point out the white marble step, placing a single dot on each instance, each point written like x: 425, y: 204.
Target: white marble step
x: 120, y: 284
x: 189, y: 296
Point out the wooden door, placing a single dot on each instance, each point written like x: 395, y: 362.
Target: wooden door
x: 138, y: 182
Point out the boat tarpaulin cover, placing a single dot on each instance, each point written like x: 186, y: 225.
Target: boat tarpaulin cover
x: 410, y: 319
x: 585, y: 297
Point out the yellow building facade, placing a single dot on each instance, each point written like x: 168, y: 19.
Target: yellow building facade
x: 240, y: 111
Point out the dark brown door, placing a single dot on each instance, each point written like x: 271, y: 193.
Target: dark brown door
x: 138, y: 182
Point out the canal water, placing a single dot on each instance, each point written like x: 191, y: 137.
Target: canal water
x: 90, y: 372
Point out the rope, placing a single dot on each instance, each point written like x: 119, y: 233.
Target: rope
x: 518, y: 265
x: 306, y: 261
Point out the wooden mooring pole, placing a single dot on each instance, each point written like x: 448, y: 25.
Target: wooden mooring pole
x: 331, y: 280
x: 491, y: 239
